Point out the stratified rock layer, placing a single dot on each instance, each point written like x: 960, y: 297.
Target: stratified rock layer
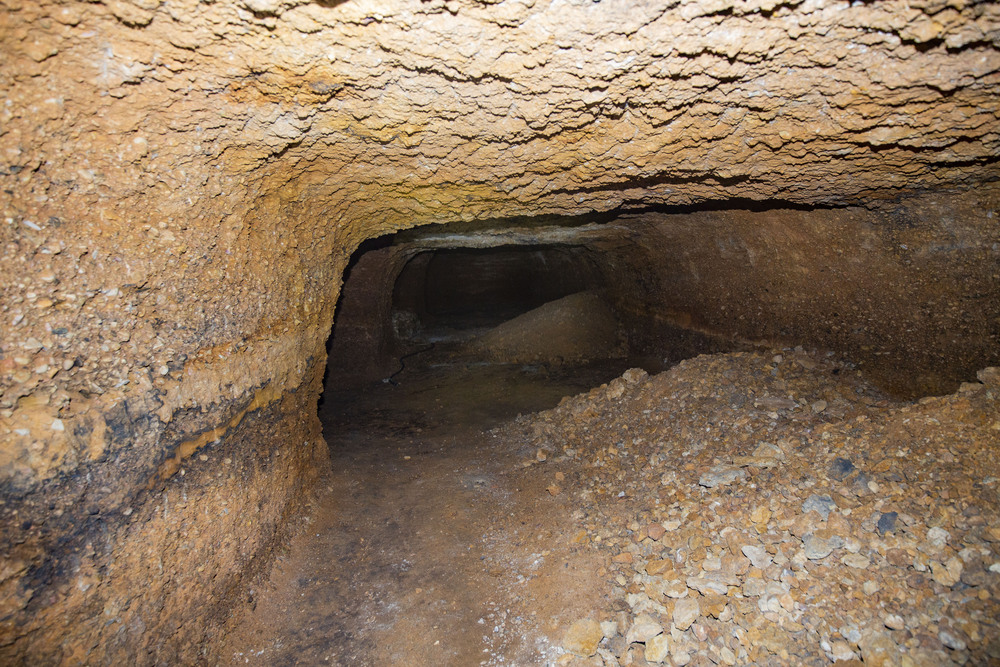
x: 181, y: 184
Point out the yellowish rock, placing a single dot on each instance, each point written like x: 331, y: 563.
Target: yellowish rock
x: 583, y: 637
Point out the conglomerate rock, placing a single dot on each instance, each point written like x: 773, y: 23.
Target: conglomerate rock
x: 181, y: 184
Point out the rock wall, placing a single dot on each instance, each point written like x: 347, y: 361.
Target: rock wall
x: 909, y: 291
x: 182, y: 182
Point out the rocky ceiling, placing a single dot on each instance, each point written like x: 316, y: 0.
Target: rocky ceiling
x: 390, y: 113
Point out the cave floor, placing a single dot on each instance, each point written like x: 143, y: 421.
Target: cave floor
x: 430, y: 543
x: 747, y: 508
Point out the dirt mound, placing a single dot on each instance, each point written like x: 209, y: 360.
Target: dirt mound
x: 575, y: 328
x: 775, y: 510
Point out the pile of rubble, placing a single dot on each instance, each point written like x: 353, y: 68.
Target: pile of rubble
x: 777, y: 509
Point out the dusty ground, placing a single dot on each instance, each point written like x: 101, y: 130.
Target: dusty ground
x: 738, y: 509
x: 431, y: 544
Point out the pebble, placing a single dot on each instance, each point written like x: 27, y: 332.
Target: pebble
x: 657, y: 649
x: 886, y: 523
x: 680, y: 657
x: 758, y: 557
x: 841, y: 650
x: 583, y: 637
x: 686, y: 612
x: 820, y: 504
x: 951, y: 640
x: 841, y: 468
x: 856, y: 561
x: 894, y: 622
x: 938, y: 537
x: 817, y: 548
x: 722, y: 475
x: 948, y: 573
x: 643, y: 629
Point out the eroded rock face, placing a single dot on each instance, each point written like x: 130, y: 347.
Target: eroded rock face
x: 908, y: 292
x: 182, y: 183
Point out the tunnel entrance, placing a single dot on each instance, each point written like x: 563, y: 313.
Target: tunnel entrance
x: 503, y: 329
x: 473, y: 290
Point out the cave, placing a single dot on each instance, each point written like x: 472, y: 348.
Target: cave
x: 500, y: 332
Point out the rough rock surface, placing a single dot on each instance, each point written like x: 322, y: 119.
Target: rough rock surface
x: 181, y: 184
x: 788, y: 565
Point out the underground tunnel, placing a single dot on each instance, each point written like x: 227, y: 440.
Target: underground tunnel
x: 499, y: 333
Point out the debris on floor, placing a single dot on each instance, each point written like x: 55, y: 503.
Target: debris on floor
x: 776, y: 509
x: 575, y: 328
x: 738, y: 509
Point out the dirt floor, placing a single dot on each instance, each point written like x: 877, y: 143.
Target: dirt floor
x: 746, y: 508
x: 431, y: 543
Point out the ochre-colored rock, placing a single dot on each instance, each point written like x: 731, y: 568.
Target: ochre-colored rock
x: 183, y: 183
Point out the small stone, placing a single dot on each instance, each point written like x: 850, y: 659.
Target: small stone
x: 856, y: 561
x: 766, y: 450
x: 840, y: 469
x: 754, y: 587
x: 948, y: 573
x: 713, y: 605
x: 817, y: 548
x: 821, y: 504
x: 760, y: 515
x: 686, y: 612
x: 553, y: 489
x: 706, y: 586
x: 721, y: 475
x: 841, y: 650
x: 878, y: 648
x: 643, y: 629
x: 886, y: 523
x: 938, y: 537
x: 951, y: 640
x: 819, y: 406
x: 758, y: 557
x: 655, y: 567
x: 894, y: 622
x: 657, y: 648
x: 583, y: 637
x: 634, y: 375
x: 898, y: 557
x: 655, y: 531
x: 990, y: 376
x: 676, y: 590
x: 680, y: 657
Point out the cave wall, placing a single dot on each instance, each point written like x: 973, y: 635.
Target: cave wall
x: 364, y: 347
x: 182, y: 182
x: 908, y: 291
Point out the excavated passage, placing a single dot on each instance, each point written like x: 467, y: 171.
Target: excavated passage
x: 183, y: 184
x: 772, y: 507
